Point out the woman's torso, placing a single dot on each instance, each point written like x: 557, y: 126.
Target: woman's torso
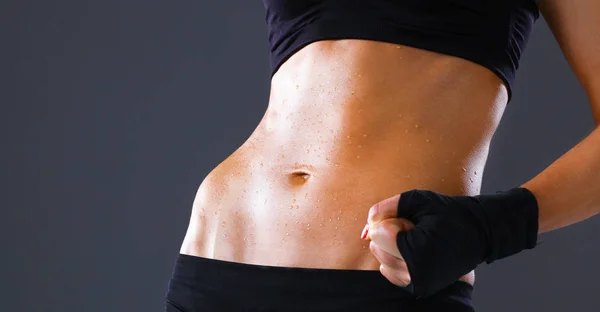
x: 349, y: 123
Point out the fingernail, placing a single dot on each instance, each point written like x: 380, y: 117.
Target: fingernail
x: 365, y: 232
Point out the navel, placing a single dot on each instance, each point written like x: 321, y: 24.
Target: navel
x: 298, y: 177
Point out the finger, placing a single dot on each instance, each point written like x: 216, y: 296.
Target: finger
x: 398, y: 278
x: 385, y: 232
x: 387, y: 259
x: 385, y: 209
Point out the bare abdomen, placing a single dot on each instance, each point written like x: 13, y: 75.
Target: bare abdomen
x: 337, y: 138
x: 302, y: 206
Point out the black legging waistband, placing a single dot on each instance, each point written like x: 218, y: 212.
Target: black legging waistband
x: 201, y: 284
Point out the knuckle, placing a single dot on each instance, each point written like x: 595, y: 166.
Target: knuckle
x: 384, y: 230
x: 400, y: 282
x: 377, y: 234
x: 405, y: 279
x: 389, y: 227
x: 374, y: 211
x: 372, y: 246
x: 396, y: 277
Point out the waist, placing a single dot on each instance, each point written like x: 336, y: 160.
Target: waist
x: 306, y: 209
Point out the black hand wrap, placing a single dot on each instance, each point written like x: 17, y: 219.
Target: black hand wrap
x: 454, y: 234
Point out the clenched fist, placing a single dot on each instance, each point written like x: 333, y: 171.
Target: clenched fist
x: 382, y: 229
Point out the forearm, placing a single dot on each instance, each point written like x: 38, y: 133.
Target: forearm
x: 568, y: 191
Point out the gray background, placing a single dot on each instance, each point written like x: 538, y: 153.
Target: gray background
x: 114, y: 111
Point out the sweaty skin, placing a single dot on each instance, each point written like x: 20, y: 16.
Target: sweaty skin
x: 349, y: 123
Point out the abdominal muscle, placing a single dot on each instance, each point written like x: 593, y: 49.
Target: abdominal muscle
x: 349, y: 123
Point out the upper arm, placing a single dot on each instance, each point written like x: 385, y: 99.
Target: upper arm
x: 576, y: 26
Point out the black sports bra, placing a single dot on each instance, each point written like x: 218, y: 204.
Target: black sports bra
x: 492, y: 33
